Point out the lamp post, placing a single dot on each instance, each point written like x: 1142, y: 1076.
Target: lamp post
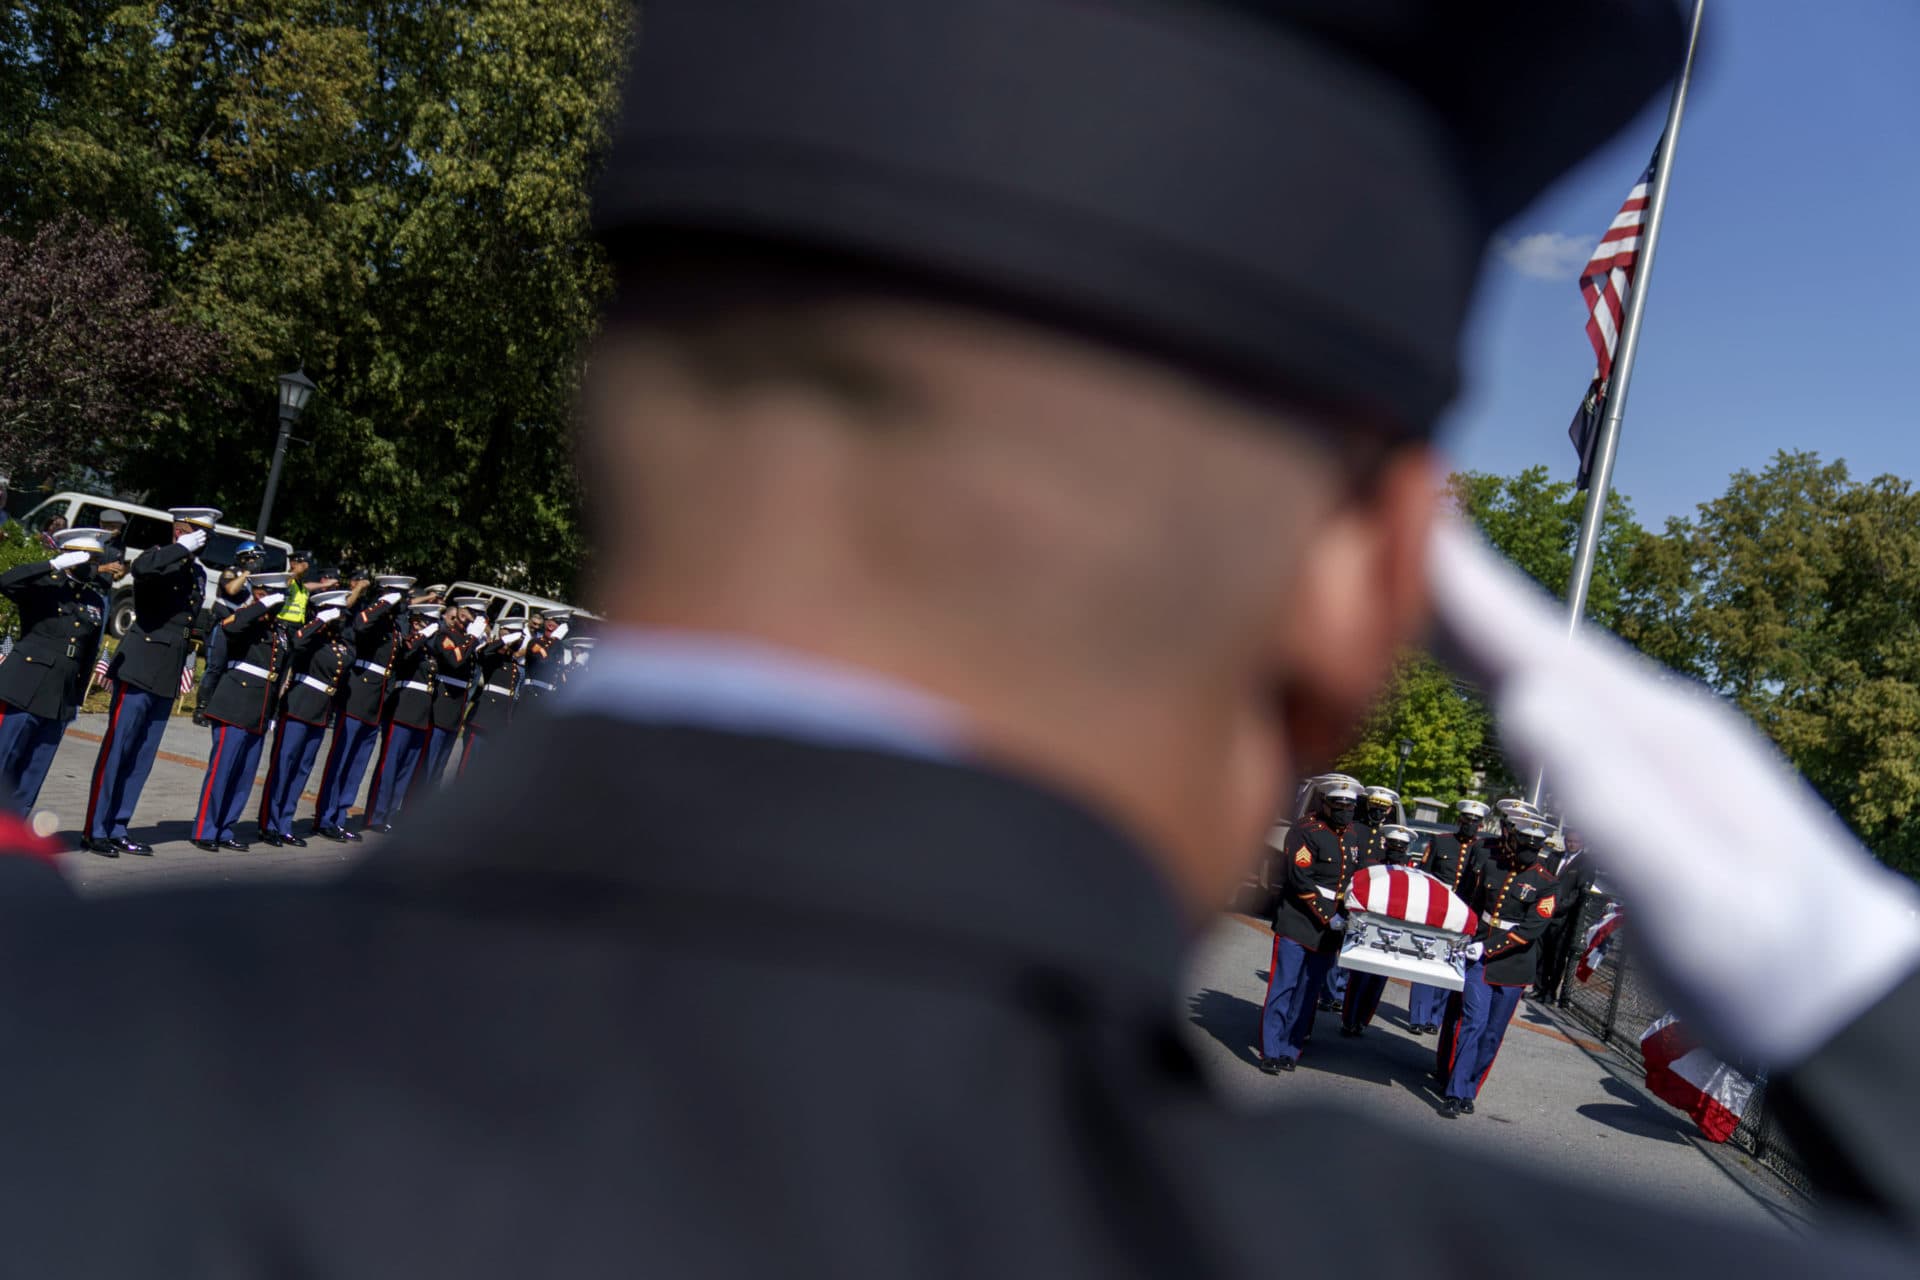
x: 296, y: 389
x: 1400, y: 773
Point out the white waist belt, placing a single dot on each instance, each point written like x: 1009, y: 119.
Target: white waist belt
x: 364, y: 665
x: 540, y: 684
x: 313, y: 683
x: 453, y: 682
x: 248, y: 668
x: 500, y: 689
x: 415, y: 684
x: 1324, y: 891
x: 1503, y: 924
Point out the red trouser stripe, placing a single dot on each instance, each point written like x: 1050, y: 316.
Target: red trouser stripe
x: 100, y: 761
x: 273, y: 771
x: 206, y: 792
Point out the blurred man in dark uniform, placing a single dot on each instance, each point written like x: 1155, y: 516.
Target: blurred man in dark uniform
x: 408, y: 720
x: 1316, y: 863
x: 241, y: 712
x: 1574, y: 871
x: 318, y: 660
x: 979, y: 487
x: 168, y: 587
x: 374, y: 630
x: 497, y: 675
x: 63, y: 614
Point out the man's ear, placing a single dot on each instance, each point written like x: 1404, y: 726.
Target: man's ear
x: 1359, y: 600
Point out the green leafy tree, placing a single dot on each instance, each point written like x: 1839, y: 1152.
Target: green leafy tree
x: 1447, y: 726
x: 394, y: 194
x: 1534, y: 521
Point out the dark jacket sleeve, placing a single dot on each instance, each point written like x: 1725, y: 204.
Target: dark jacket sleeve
x: 245, y: 617
x: 1297, y: 881
x: 1853, y: 1113
x: 170, y: 558
x: 22, y: 574
x: 1525, y: 932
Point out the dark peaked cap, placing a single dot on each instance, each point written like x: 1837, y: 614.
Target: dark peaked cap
x: 1292, y: 193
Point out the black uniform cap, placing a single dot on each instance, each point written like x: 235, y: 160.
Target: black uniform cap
x: 1293, y: 193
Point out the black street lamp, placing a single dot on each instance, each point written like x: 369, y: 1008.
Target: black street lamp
x: 1400, y: 773
x: 296, y: 389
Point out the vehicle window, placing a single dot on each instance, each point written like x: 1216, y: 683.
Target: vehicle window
x: 37, y: 518
x: 142, y: 531
x: 218, y: 553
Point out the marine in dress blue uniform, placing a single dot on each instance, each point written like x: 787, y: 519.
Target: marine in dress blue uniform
x: 62, y: 619
x: 1316, y: 865
x: 409, y: 719
x: 496, y: 668
x: 168, y: 587
x: 1446, y: 858
x: 230, y: 594
x: 1364, y: 990
x: 1514, y: 894
x: 319, y: 659
x: 374, y: 633
x: 453, y: 682
x: 1364, y: 848
x: 544, y: 666
x: 242, y: 711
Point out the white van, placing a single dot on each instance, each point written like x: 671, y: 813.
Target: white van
x: 506, y: 605
x: 149, y: 527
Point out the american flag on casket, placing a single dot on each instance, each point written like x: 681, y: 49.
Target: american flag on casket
x: 1406, y: 924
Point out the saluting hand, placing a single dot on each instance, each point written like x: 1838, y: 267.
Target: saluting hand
x: 327, y: 615
x: 68, y: 559
x: 272, y: 601
x: 477, y: 629
x: 193, y: 540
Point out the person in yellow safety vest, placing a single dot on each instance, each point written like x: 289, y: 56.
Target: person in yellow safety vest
x: 294, y: 611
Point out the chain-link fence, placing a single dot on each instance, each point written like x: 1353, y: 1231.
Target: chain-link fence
x: 1618, y: 1002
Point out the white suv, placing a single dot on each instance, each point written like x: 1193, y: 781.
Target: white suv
x: 149, y: 527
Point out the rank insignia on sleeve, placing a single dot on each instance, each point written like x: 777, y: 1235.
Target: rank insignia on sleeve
x: 1546, y: 907
x: 1303, y: 856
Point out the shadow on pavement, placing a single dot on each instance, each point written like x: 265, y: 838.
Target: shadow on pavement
x: 1232, y: 1021
x: 1636, y: 1115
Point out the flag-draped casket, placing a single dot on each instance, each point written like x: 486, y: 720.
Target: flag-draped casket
x: 1406, y: 924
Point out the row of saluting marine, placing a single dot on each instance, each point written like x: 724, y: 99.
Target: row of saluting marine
x: 409, y: 677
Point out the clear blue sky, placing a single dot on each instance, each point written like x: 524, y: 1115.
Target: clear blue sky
x: 1784, y: 310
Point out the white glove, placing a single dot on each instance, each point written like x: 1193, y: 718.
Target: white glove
x: 327, y: 615
x: 476, y: 630
x: 271, y: 600
x: 560, y: 632
x: 392, y: 597
x: 429, y: 629
x: 1338, y: 924
x: 526, y: 641
x: 68, y: 559
x: 1719, y: 887
x: 1475, y: 950
x: 193, y: 540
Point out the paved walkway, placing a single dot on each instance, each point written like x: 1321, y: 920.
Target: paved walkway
x: 1555, y: 1099
x: 164, y: 817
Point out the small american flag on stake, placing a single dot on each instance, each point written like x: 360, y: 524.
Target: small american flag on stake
x: 1605, y: 282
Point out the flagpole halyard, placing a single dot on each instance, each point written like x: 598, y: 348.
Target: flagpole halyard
x: 1600, y: 476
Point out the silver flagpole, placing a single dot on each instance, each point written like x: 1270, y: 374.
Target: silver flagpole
x: 1600, y: 479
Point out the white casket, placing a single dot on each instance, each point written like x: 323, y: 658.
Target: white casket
x: 1406, y: 924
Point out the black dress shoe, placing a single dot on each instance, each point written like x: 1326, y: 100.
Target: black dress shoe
x: 102, y: 847
x: 1466, y: 1106
x: 351, y: 837
x: 1328, y: 1004
x: 1450, y: 1108
x: 296, y: 841
x: 238, y: 846
x: 1352, y: 1032
x: 211, y: 846
x: 1274, y: 1066
x: 273, y: 838
x: 126, y: 844
x: 332, y: 833
x: 384, y: 829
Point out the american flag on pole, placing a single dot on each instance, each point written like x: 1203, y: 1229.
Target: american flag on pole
x: 1605, y: 282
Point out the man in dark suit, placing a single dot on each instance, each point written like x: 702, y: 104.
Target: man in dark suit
x: 169, y: 587
x: 981, y: 484
x: 1574, y: 870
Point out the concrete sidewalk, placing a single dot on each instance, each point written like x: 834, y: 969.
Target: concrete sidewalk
x: 165, y: 814
x: 1555, y: 1099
